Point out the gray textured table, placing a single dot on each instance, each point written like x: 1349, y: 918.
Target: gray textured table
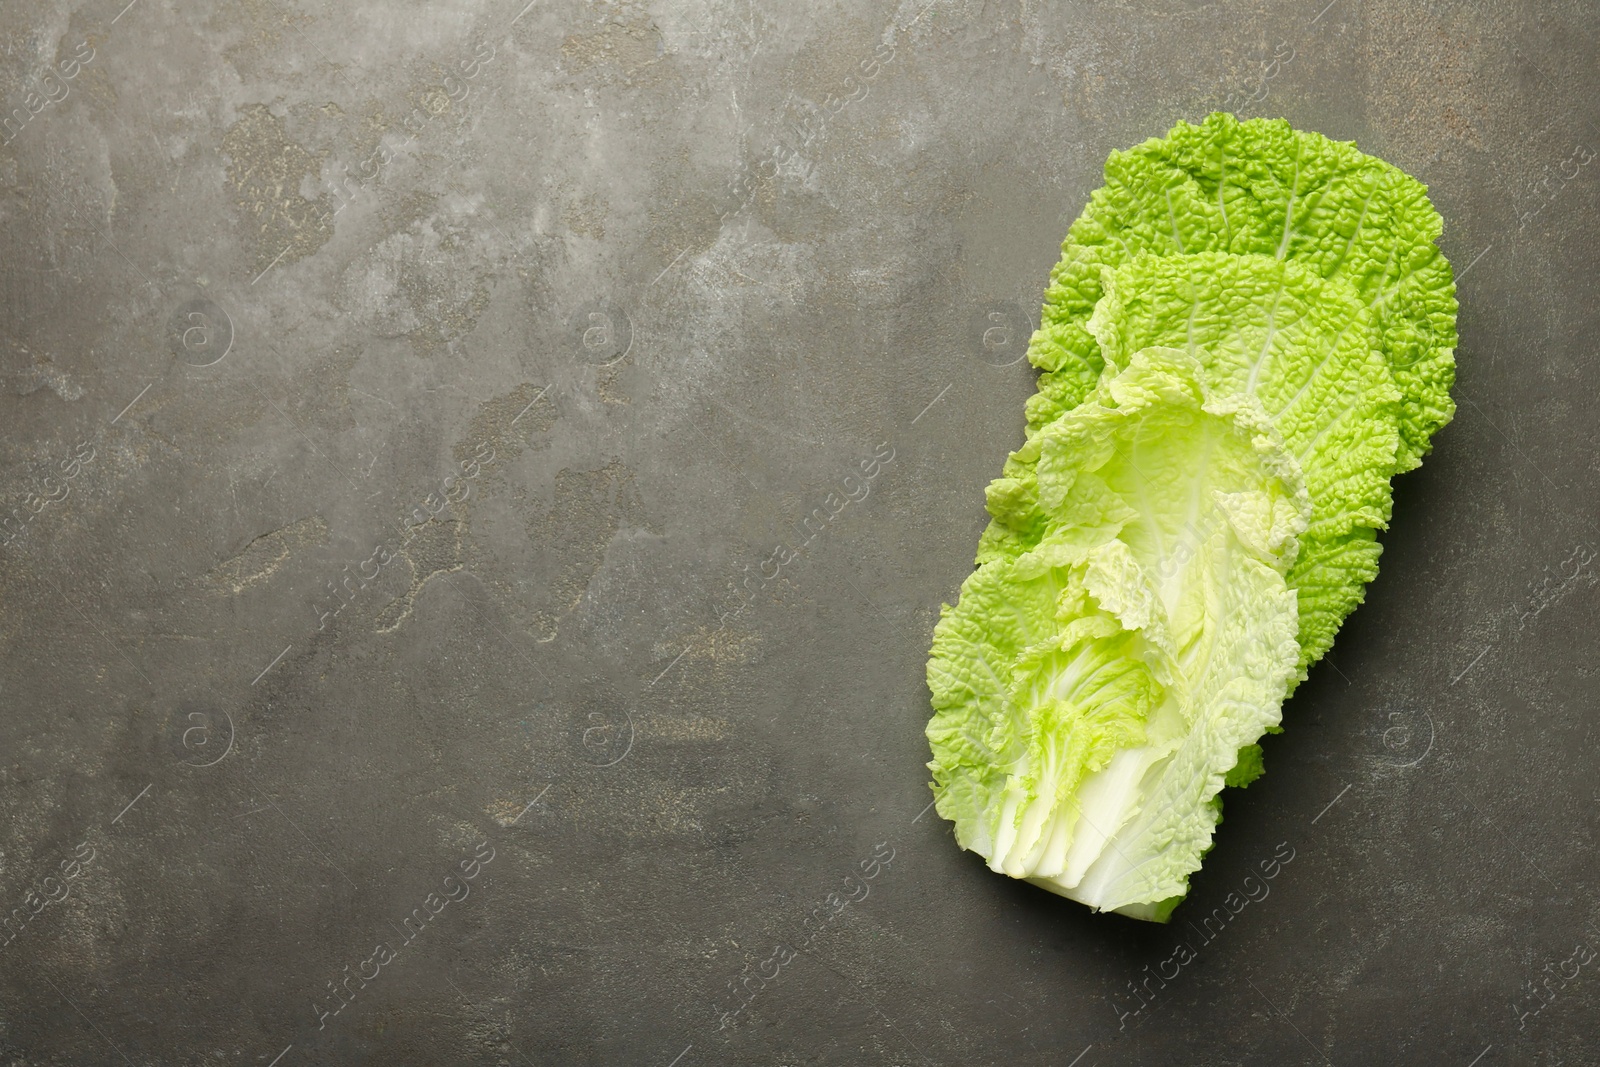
x: 428, y: 636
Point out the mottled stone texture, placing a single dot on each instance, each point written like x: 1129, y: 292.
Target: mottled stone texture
x: 447, y: 444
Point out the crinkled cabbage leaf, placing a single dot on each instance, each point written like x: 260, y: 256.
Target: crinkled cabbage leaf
x: 1249, y: 333
x: 1093, y: 692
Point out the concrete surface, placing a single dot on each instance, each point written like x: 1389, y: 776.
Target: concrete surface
x: 623, y: 299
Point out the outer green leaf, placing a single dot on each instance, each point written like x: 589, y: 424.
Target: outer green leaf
x: 1249, y: 766
x: 1261, y: 187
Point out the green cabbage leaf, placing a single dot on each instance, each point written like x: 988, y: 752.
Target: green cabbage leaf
x: 1249, y: 333
x: 1093, y: 692
x: 1261, y: 187
x: 1304, y: 346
